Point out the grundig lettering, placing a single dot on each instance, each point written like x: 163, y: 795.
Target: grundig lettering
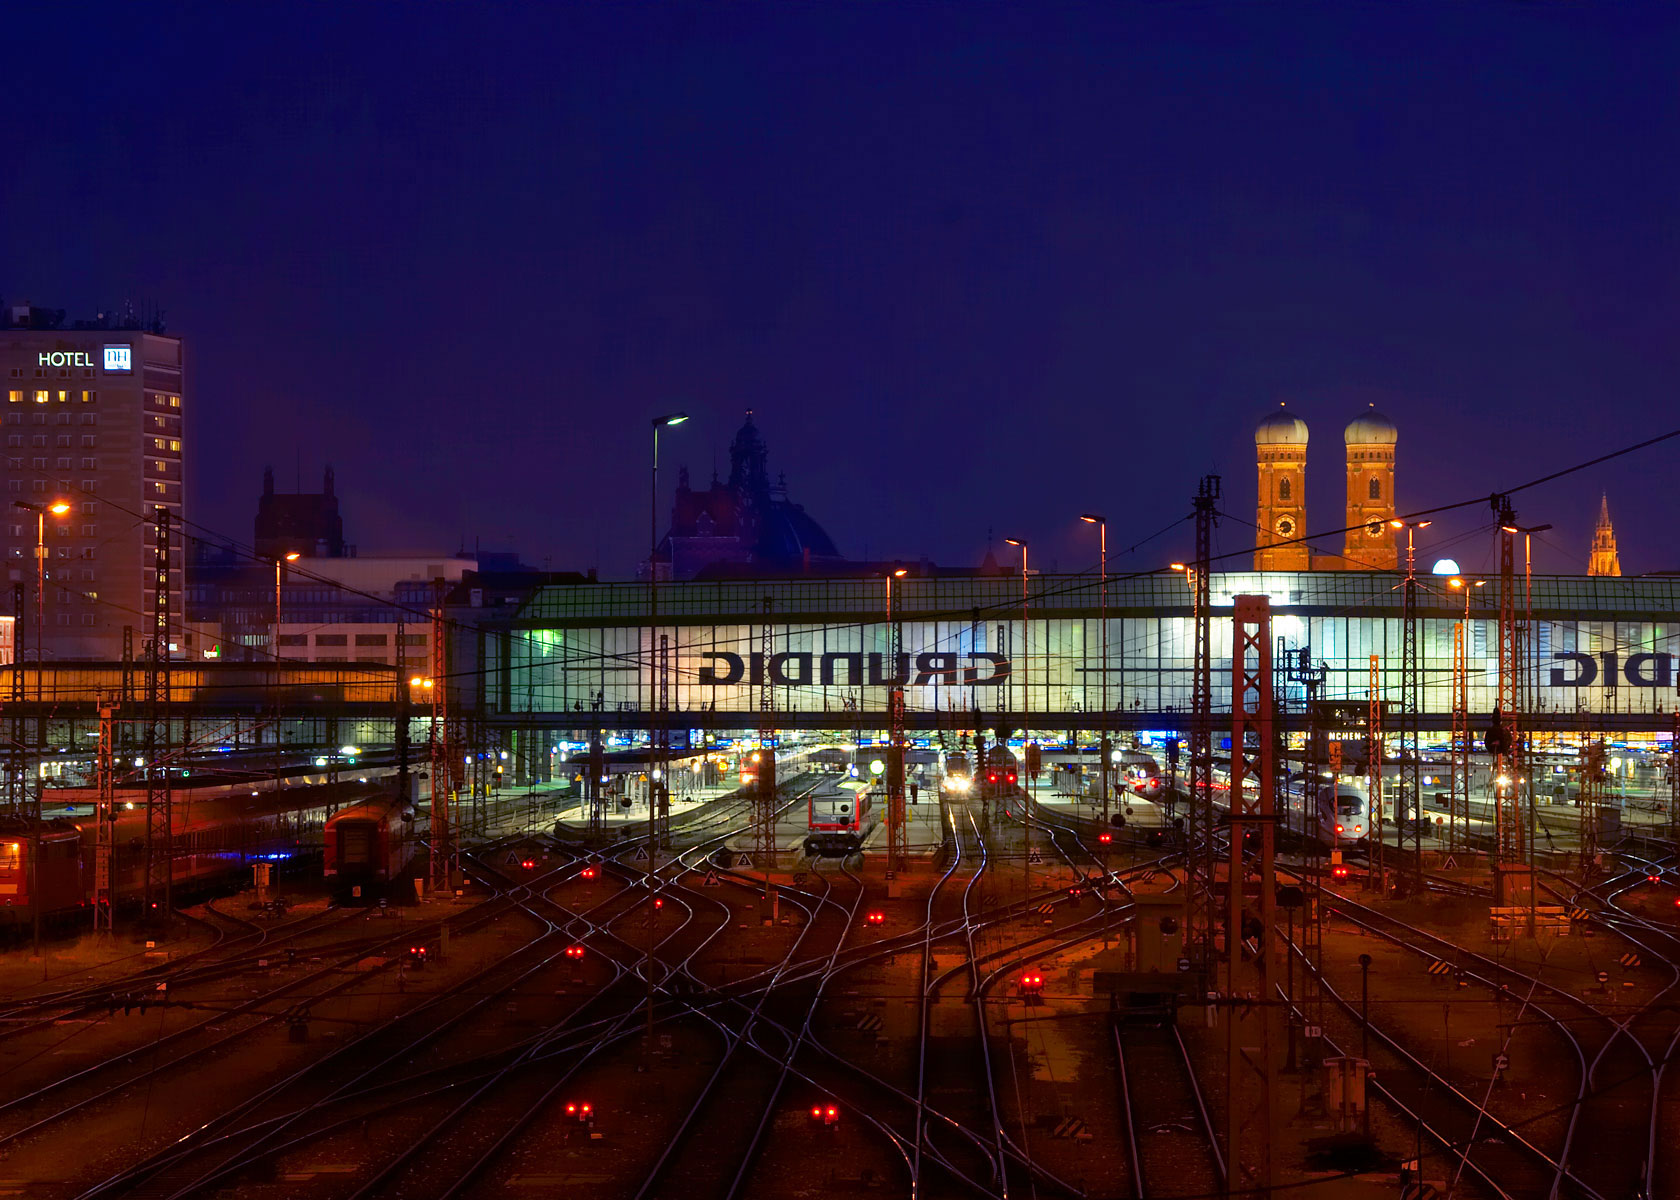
x: 797, y: 668
x: 64, y: 358
x: 1640, y: 670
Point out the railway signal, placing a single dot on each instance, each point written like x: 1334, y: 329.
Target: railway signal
x: 1032, y: 985
x: 589, y: 872
x: 417, y: 957
x: 877, y: 918
x: 583, y: 1114
x: 1104, y: 839
x: 827, y: 1115
x: 529, y: 864
x: 574, y: 951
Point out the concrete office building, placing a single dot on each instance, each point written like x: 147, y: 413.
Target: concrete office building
x: 92, y: 416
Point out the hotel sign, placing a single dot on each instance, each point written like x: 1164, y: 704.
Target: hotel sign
x: 114, y: 358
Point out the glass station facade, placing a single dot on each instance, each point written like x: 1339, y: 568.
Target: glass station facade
x: 1599, y: 654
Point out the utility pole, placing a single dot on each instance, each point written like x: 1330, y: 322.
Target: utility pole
x: 442, y: 755
x: 1592, y: 804
x: 1026, y: 732
x: 1374, y: 763
x: 898, y: 841
x: 1411, y: 799
x: 765, y: 822
x: 1513, y: 882
x: 1200, y: 851
x: 1253, y: 811
x: 160, y: 827
x: 103, y: 818
x: 1102, y: 621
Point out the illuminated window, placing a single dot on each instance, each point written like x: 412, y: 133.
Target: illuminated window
x: 14, y: 396
x: 41, y: 396
x: 1376, y: 488
x: 159, y: 488
x: 63, y: 397
x: 89, y: 397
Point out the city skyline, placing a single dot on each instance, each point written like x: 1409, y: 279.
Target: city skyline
x: 1175, y: 220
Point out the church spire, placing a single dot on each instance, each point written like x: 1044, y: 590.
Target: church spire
x: 1604, y: 560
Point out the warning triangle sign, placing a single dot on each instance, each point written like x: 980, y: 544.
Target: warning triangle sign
x: 711, y: 879
x: 1450, y: 864
x: 1035, y: 858
x: 511, y: 858
x: 641, y: 854
x: 744, y: 861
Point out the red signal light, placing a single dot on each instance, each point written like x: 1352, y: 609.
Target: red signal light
x: 580, y: 1112
x: 528, y: 864
x: 574, y: 951
x: 1105, y: 838
x: 877, y: 918
x: 659, y: 902
x: 1653, y: 878
x: 816, y: 1112
x: 589, y: 872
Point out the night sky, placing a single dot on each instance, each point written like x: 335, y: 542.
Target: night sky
x: 977, y: 267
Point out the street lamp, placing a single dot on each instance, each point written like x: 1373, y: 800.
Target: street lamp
x: 57, y: 508
x: 1102, y: 618
x: 1409, y: 701
x: 274, y: 652
x: 669, y: 420
x: 896, y: 814
x: 1461, y: 708
x: 1026, y: 732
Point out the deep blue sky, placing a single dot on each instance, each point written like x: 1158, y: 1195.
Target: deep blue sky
x: 975, y: 266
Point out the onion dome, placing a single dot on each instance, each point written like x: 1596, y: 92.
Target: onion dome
x: 1371, y: 429
x: 1281, y: 429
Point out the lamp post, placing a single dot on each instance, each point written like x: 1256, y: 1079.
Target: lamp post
x: 897, y: 838
x: 1409, y: 715
x: 274, y: 653
x: 667, y: 421
x: 1026, y: 732
x: 1461, y: 709
x: 1102, y: 618
x: 1530, y: 669
x: 57, y: 508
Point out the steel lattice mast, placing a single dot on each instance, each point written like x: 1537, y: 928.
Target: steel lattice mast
x: 442, y: 764
x: 1410, y: 800
x: 1461, y: 737
x: 764, y: 820
x: 1253, y: 812
x: 1200, y: 852
x: 1507, y: 775
x: 160, y: 828
x: 1374, y: 766
x: 103, y: 817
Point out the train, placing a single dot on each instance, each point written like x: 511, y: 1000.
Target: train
x: 369, y: 847
x: 214, y: 840
x: 1140, y: 773
x: 958, y: 777
x: 999, y: 780
x: 838, y: 822
x: 1343, y: 810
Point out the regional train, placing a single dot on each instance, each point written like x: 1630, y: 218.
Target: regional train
x: 214, y: 840
x: 369, y: 847
x: 1000, y: 778
x: 838, y: 822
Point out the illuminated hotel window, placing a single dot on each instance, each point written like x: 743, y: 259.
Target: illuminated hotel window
x: 40, y: 396
x: 63, y: 397
x: 158, y: 488
x: 14, y: 396
x: 89, y: 397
